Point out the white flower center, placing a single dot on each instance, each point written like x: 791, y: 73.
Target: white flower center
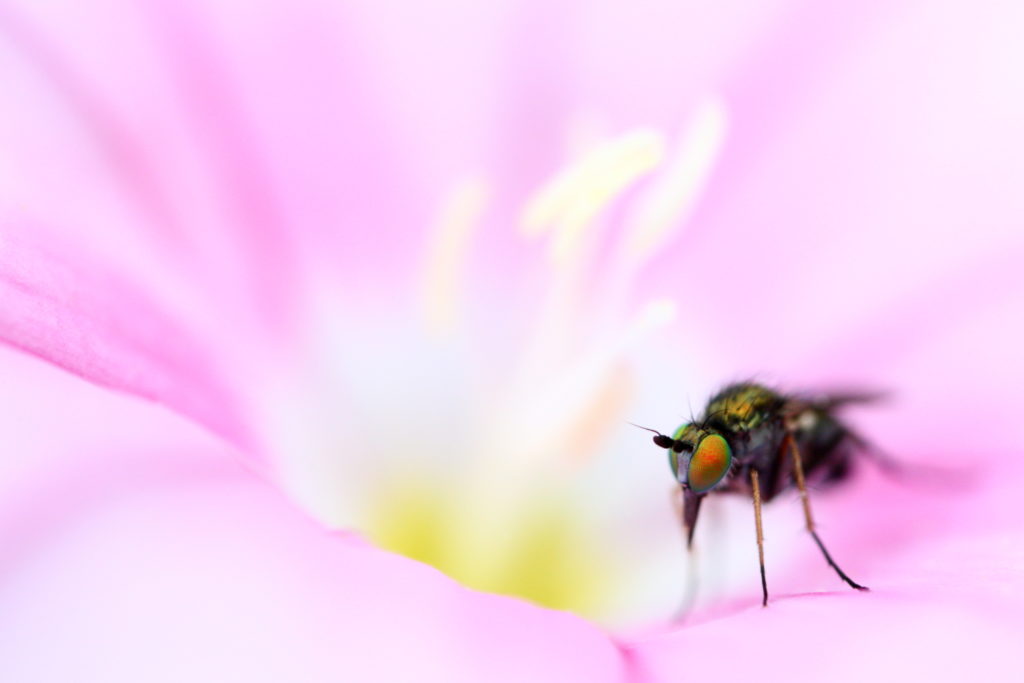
x: 451, y: 444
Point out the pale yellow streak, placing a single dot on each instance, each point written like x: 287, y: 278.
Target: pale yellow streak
x: 447, y: 254
x: 531, y: 426
x: 547, y: 204
x: 526, y: 440
x: 583, y: 437
x: 574, y: 198
x: 655, y: 314
x: 673, y: 196
x: 570, y: 206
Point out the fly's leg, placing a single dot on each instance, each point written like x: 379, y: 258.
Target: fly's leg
x: 798, y: 471
x: 756, y: 486
x: 691, y: 508
x: 687, y: 507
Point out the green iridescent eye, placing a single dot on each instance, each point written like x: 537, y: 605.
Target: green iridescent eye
x: 710, y: 462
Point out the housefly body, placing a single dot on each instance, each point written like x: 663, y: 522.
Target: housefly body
x: 755, y: 441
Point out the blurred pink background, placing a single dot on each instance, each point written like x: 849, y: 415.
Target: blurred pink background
x: 291, y: 290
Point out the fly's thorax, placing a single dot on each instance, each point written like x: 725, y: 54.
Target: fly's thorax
x: 743, y: 408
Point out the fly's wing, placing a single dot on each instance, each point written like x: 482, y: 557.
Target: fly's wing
x: 835, y: 400
x: 826, y: 405
x: 827, y: 445
x: 830, y: 401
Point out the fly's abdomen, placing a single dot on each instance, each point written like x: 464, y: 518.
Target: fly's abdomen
x: 825, y: 447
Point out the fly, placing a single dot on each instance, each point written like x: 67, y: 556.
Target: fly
x: 755, y: 441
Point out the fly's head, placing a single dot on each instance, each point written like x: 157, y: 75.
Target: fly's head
x: 699, y: 458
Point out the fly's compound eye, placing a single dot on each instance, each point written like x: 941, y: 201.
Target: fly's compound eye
x: 710, y: 462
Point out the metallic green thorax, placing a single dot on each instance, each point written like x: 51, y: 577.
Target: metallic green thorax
x: 737, y: 408
x: 743, y: 407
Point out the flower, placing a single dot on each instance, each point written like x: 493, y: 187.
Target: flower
x: 308, y: 229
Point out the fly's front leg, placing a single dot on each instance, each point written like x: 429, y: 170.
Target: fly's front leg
x: 687, y: 506
x: 798, y: 472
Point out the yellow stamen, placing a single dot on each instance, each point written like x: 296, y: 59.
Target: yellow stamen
x: 674, y: 194
x: 588, y: 431
x: 573, y: 199
x: 447, y: 254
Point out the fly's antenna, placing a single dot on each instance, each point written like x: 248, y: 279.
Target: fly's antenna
x: 654, y: 431
x: 661, y: 440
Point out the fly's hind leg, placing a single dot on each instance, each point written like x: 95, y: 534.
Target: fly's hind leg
x: 798, y: 471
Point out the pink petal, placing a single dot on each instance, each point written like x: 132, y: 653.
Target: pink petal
x: 251, y: 138
x: 947, y: 588
x: 83, y: 318
x: 186, y: 569
x: 852, y: 180
x: 168, y: 562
